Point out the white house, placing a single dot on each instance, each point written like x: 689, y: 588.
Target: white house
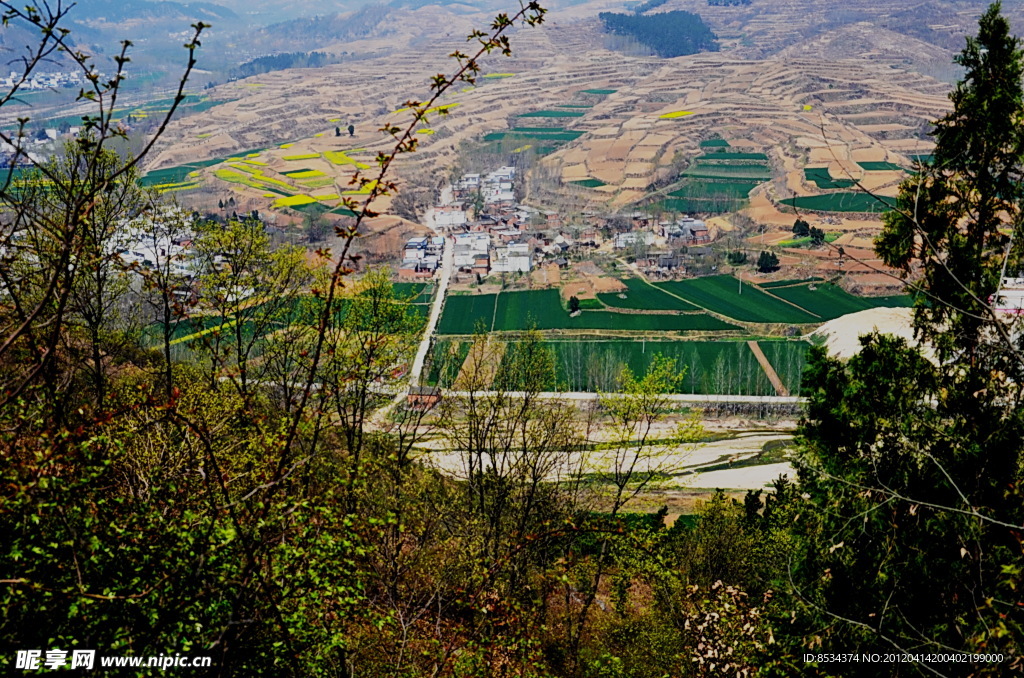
x: 631, y: 238
x: 512, y: 259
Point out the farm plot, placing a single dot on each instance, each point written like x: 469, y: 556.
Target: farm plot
x: 418, y: 293
x: 589, y: 183
x: 518, y: 134
x: 697, y: 195
x: 707, y: 367
x: 822, y: 178
x: 175, y: 175
x: 543, y: 310
x: 788, y: 283
x: 878, y: 166
x: 519, y: 311
x: 733, y: 155
x: 714, y: 143
x: 640, y: 295
x: 840, y: 202
x: 462, y: 314
x: 825, y: 300
x: 702, y: 169
x: 552, y: 114
x: 446, y: 358
x: 721, y: 294
x: 831, y: 301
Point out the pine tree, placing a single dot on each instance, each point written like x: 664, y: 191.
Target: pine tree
x: 912, y: 466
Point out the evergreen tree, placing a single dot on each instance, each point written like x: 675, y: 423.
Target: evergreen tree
x: 767, y: 262
x: 911, y: 466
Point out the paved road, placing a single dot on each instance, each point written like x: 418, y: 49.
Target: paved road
x: 447, y: 265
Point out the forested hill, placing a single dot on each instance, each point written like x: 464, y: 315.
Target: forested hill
x: 279, y: 62
x: 669, y: 34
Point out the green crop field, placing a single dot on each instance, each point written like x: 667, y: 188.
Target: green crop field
x: 552, y: 114
x: 708, y: 367
x: 732, y: 155
x: 878, y: 166
x: 825, y: 300
x: 807, y: 240
x: 821, y: 178
x: 714, y: 143
x: 697, y: 206
x: 542, y: 309
x: 588, y: 183
x: 600, y: 91
x: 462, y: 313
x: 694, y: 195
x: 173, y: 175
x: 715, y: 170
x: 446, y: 358
x: 419, y: 293
x: 517, y: 135
x: 787, y: 283
x: 720, y: 294
x: 640, y: 295
x: 840, y: 202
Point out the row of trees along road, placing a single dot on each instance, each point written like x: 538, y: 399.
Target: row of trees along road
x: 247, y: 495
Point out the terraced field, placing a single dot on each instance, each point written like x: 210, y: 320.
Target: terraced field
x: 821, y: 178
x: 838, y: 202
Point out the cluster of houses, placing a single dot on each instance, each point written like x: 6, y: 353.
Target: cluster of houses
x: 44, y: 80
x: 421, y: 257
x: 491, y: 233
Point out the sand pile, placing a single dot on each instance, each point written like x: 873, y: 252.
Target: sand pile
x: 842, y: 335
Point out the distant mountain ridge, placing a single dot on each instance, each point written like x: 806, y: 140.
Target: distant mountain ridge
x: 86, y: 11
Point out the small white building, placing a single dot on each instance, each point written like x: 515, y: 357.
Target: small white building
x: 449, y: 215
x: 515, y: 258
x: 631, y: 238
